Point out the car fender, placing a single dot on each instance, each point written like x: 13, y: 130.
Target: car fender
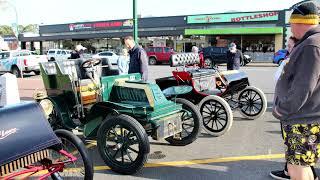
x: 96, y: 116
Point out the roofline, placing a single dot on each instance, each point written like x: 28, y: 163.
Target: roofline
x: 164, y: 17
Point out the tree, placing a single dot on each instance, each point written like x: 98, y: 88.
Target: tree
x: 32, y: 28
x: 6, y: 30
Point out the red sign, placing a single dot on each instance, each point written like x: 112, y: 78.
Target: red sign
x: 107, y: 24
x: 254, y: 17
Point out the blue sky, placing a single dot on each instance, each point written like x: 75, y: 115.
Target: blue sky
x: 69, y: 11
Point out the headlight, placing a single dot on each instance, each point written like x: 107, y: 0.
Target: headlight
x: 47, y: 107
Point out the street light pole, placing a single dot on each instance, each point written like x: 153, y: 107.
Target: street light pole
x: 16, y: 12
x: 135, y: 21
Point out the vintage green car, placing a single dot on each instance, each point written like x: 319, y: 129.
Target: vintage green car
x: 120, y: 111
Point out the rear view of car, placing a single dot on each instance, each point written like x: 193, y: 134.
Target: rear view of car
x: 111, y: 56
x: 279, y: 56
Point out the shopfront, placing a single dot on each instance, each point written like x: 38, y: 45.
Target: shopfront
x: 259, y: 34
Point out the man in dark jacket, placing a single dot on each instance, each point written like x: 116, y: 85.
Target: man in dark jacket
x: 138, y: 58
x: 234, y: 57
x: 297, y: 94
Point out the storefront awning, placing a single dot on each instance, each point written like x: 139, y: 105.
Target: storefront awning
x: 233, y: 31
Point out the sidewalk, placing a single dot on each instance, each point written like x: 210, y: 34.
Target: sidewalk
x: 258, y: 64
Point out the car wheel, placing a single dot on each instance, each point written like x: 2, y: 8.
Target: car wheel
x: 152, y: 61
x: 217, y: 117
x: 252, y: 102
x: 52, y: 59
x: 123, y: 144
x: 191, y: 126
x: 15, y: 71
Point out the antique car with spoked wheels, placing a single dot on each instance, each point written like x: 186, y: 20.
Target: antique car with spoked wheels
x: 31, y: 149
x: 120, y: 111
x: 216, y: 92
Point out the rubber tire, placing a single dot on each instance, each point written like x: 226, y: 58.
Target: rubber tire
x: 264, y: 103
x: 52, y: 59
x: 15, y: 71
x: 211, y: 63
x: 144, y: 145
x: 76, y: 141
x: 152, y: 61
x: 228, y: 110
x: 197, y: 124
x: 36, y: 72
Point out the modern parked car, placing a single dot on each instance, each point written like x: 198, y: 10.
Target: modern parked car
x: 58, y: 54
x: 218, y: 55
x: 17, y: 62
x: 279, y: 56
x: 111, y: 56
x: 159, y: 54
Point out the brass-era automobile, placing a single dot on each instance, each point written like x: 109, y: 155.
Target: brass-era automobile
x: 120, y: 111
x: 216, y: 92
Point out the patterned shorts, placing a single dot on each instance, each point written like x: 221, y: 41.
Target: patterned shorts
x: 302, y: 143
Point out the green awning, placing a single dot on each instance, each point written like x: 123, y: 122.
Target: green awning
x: 239, y: 31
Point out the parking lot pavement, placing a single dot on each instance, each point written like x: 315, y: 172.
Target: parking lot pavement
x: 250, y: 150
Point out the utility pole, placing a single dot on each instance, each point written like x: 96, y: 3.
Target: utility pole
x: 135, y: 21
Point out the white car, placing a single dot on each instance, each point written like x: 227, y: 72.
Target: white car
x: 58, y: 54
x: 111, y: 56
x: 18, y: 62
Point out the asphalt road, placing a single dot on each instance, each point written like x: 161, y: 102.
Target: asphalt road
x: 250, y: 150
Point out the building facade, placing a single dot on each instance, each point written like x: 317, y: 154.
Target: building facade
x: 259, y: 34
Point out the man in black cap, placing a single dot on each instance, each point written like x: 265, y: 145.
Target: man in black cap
x: 297, y: 94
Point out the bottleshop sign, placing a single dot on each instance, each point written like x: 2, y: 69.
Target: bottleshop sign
x: 235, y: 17
x: 100, y: 25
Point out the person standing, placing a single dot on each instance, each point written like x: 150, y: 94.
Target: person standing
x: 234, y: 57
x: 291, y: 42
x: 138, y: 58
x: 123, y: 62
x: 78, y: 53
x: 297, y: 94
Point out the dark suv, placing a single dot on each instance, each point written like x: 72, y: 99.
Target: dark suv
x: 218, y: 55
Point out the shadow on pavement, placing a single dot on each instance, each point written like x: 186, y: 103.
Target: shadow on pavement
x: 255, y: 169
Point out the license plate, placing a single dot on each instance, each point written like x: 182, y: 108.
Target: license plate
x: 169, y: 126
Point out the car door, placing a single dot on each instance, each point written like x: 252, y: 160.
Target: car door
x: 64, y: 55
x: 224, y: 55
x: 158, y: 53
x: 58, y: 55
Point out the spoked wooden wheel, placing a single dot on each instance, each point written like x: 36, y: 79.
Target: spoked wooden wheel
x: 216, y: 114
x: 123, y: 144
x: 190, y: 119
x: 252, y: 102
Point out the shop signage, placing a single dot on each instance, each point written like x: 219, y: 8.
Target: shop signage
x: 235, y: 17
x: 103, y: 25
